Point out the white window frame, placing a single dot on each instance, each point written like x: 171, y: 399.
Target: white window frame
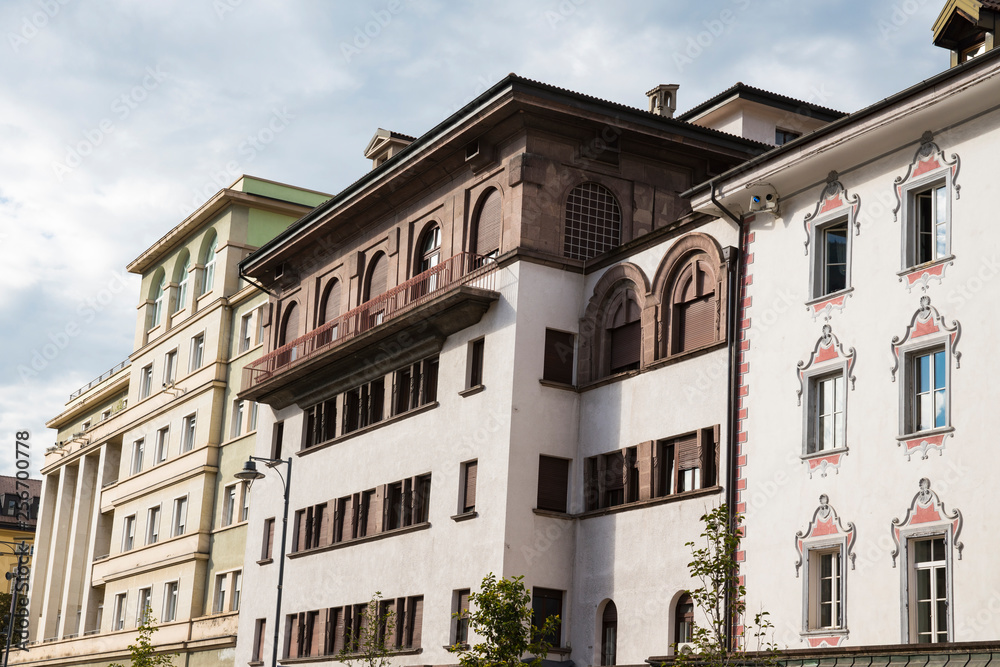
x: 814, y: 408
x: 260, y: 325
x: 162, y: 448
x: 171, y: 594
x: 811, y: 380
x: 910, y: 211
x: 146, y: 592
x: 156, y: 317
x: 244, y: 501
x: 138, y: 456
x: 254, y: 415
x: 128, y: 533
x: 208, y: 271
x: 153, y: 524
x: 246, y: 332
x: 121, y: 609
x: 146, y: 381
x: 236, y: 590
x: 909, y: 585
x: 817, y: 267
x: 908, y: 387
x: 230, y: 497
x: 196, y: 358
x: 239, y: 413
x: 182, y: 285
x: 812, y: 595
x: 170, y: 366
x: 178, y: 519
x: 189, y: 432
x: 219, y: 593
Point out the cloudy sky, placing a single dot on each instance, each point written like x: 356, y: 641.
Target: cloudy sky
x: 118, y: 118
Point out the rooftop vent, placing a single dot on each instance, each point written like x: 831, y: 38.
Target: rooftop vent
x: 663, y: 99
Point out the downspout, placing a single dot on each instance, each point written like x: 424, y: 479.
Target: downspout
x: 255, y: 283
x: 734, y: 310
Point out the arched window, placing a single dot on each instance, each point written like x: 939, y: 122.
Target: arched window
x: 208, y: 275
x: 593, y: 222
x: 684, y: 620
x: 330, y: 309
x: 182, y: 283
x: 430, y: 249
x: 624, y: 333
x: 159, y: 294
x: 609, y: 634
x: 693, y: 307
x: 378, y: 276
x: 289, y: 325
x: 486, y: 225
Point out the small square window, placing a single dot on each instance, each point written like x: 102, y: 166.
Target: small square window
x: 782, y: 137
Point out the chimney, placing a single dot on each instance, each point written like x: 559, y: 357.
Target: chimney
x: 663, y: 99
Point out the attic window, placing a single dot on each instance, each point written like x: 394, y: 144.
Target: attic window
x: 782, y: 137
x: 970, y: 52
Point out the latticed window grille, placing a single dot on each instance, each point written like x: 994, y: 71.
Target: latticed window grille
x: 593, y: 222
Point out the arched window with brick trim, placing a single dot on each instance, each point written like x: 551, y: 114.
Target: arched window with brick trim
x: 487, y: 225
x: 616, y: 334
x: 624, y: 332
x: 593, y: 222
x: 289, y: 324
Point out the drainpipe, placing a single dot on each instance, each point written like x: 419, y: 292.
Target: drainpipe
x: 255, y: 283
x: 733, y: 315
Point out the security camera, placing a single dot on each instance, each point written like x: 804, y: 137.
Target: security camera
x: 767, y: 202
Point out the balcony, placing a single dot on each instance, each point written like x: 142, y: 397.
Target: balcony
x: 98, y: 380
x: 408, y: 320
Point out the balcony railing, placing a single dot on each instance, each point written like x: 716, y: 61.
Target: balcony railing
x: 462, y: 269
x: 96, y: 381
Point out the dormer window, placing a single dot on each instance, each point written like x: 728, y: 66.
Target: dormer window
x: 971, y: 52
x: 782, y: 137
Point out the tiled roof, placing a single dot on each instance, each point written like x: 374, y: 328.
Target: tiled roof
x: 825, y: 113
x: 992, y: 5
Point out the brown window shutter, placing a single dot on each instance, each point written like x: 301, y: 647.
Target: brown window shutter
x: 378, y: 277
x: 646, y: 472
x: 338, y: 628
x: 261, y: 634
x: 325, y: 535
x: 400, y: 633
x: 300, y: 530
x: 553, y: 482
x: 696, y: 325
x: 626, y: 346
x: 417, y: 618
x: 488, y: 225
x: 318, y: 633
x: 709, y: 455
x: 331, y: 305
x: 558, y: 364
x: 688, y: 453
x: 293, y: 636
x: 375, y: 511
x: 267, y: 551
x: 471, y: 473
x: 290, y: 328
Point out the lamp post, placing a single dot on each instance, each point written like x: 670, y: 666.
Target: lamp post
x: 21, y: 550
x: 249, y: 474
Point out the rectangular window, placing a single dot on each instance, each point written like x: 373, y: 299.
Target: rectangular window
x: 414, y: 386
x: 170, y: 367
x: 477, y: 349
x: 259, y: 634
x: 128, y: 533
x: 267, y: 545
x: 245, y: 501
x: 929, y: 409
x: 162, y: 444
x: 558, y: 364
x: 277, y: 437
x: 834, y: 251
x: 827, y: 419
x: 460, y: 623
x: 928, y: 594
x: 252, y: 423
x: 614, y: 480
x: 782, y: 137
x: 146, y: 381
x: 421, y: 498
x: 229, y: 505
x: 470, y: 472
x: 234, y: 604
x: 260, y: 326
x: 239, y: 411
x: 546, y: 603
x: 930, y: 207
x: 121, y: 601
x: 153, y: 525
x: 197, y: 352
x: 189, y: 428
x: 144, y: 608
x: 220, y: 593
x: 170, y: 590
x: 553, y: 483
x: 393, y: 506
x: 246, y: 332
x: 180, y: 516
x: 138, y: 454
x: 321, y: 423
x: 825, y: 589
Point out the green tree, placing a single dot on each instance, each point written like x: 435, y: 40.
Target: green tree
x: 142, y: 652
x: 367, y: 643
x: 715, y: 567
x: 503, y: 618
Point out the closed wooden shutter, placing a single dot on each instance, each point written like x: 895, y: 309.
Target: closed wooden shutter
x: 463, y: 602
x: 318, y: 632
x: 626, y: 346
x: 646, y: 472
x: 331, y: 305
x: 688, y: 453
x: 261, y: 632
x: 325, y: 535
x: 301, y: 530
x: 558, y: 364
x: 488, y: 225
x: 697, y: 323
x: 553, y: 481
x: 417, y: 618
x: 293, y: 637
x: 338, y: 629
x: 378, y: 276
x: 290, y: 328
x: 469, y: 493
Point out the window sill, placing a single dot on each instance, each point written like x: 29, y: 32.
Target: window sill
x: 930, y: 433
x: 822, y: 453
x: 554, y: 514
x: 367, y: 429
x: 255, y: 663
x: 640, y: 504
x: 328, y: 658
x: 361, y: 540
x: 828, y: 297
x: 265, y: 561
x: 824, y: 632
x: 465, y: 516
x: 472, y: 390
x: 560, y: 650
x: 557, y: 385
x: 916, y: 268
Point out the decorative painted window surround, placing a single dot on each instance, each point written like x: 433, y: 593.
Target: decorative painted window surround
x: 825, y: 534
x: 834, y: 208
x: 828, y: 358
x: 929, y: 168
x: 927, y: 331
x: 926, y: 517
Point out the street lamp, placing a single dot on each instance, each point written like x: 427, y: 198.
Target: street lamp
x: 249, y: 474
x: 23, y: 551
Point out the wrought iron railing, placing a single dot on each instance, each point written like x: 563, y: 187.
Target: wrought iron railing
x: 462, y: 269
x: 96, y: 381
